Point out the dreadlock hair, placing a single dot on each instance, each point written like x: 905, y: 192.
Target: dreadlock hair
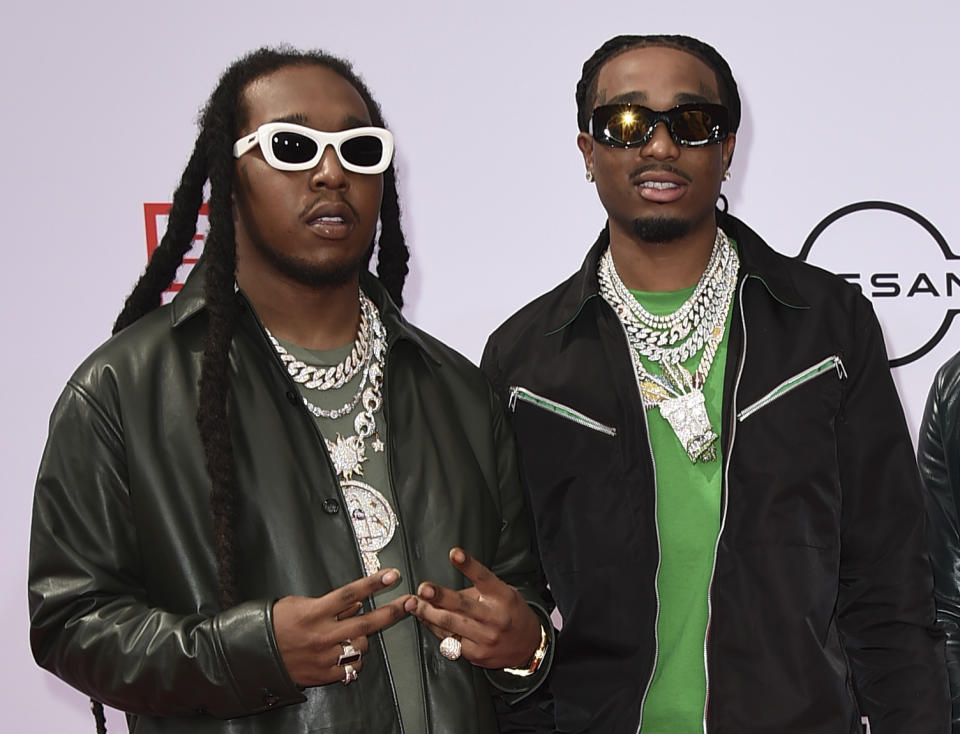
x: 587, y: 86
x: 212, y: 160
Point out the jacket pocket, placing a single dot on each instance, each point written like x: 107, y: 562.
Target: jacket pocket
x: 790, y: 384
x: 522, y: 394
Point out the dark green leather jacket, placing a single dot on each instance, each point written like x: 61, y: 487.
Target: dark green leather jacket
x: 123, y: 579
x: 938, y: 453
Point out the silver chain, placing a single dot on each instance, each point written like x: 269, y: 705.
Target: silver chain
x: 703, y: 325
x: 371, y: 370
x: 330, y: 378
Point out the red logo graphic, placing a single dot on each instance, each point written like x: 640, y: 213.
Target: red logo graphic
x: 155, y: 218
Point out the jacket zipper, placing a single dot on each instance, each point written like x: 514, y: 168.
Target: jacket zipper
x: 521, y: 393
x: 724, y: 493
x: 822, y: 367
x: 656, y: 525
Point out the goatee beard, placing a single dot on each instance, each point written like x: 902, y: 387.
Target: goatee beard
x: 308, y: 273
x: 660, y: 229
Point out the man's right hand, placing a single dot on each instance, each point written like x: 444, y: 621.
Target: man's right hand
x: 310, y: 631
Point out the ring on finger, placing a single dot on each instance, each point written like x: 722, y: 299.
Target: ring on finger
x: 349, y: 655
x: 349, y: 674
x: 451, y: 647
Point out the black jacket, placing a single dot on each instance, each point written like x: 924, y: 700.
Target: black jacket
x: 938, y: 452
x: 123, y: 578
x: 822, y: 582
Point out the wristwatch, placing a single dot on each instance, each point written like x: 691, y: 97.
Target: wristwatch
x: 535, y: 661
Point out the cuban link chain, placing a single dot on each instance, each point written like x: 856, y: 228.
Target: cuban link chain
x: 373, y: 520
x: 670, y: 340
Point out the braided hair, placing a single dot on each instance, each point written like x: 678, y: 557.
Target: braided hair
x: 212, y: 160
x: 587, y: 86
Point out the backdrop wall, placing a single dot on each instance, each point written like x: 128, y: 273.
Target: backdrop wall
x: 843, y: 103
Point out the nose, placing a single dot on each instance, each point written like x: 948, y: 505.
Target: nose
x: 329, y: 172
x: 661, y: 145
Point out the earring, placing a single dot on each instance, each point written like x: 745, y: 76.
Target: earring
x: 726, y: 175
x: 589, y: 176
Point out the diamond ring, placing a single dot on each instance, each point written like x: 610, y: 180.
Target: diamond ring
x: 450, y: 647
x: 350, y: 654
x: 349, y: 674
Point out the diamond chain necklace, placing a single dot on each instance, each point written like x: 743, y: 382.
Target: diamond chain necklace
x: 373, y: 520
x: 327, y: 378
x: 672, y: 340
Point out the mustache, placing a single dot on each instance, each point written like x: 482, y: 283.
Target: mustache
x: 661, y: 167
x: 325, y: 199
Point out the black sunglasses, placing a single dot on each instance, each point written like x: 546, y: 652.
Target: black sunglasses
x: 630, y: 125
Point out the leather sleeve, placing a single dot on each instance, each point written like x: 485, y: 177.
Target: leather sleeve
x: 516, y: 562
x: 938, y: 453
x: 885, y: 606
x: 92, y: 623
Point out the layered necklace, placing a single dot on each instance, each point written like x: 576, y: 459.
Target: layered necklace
x: 374, y: 521
x: 670, y: 340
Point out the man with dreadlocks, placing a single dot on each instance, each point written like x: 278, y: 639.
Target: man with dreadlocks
x: 726, y: 502
x: 242, y: 490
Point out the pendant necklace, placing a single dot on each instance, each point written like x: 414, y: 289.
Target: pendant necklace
x: 373, y: 520
x: 668, y: 341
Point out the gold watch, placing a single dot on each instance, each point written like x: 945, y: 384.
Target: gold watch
x: 535, y: 661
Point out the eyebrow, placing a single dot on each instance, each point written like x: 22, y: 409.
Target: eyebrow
x: 298, y: 118
x: 641, y: 97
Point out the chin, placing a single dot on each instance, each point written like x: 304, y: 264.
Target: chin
x: 313, y: 274
x: 660, y: 229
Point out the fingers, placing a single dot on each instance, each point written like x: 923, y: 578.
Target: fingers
x: 347, y: 596
x: 465, y: 602
x: 443, y: 622
x: 349, y: 611
x: 373, y: 621
x: 481, y: 576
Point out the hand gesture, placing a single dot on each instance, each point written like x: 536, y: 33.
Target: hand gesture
x: 495, y: 626
x: 312, y: 633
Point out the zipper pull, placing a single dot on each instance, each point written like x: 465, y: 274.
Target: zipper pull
x: 841, y: 370
x: 512, y: 403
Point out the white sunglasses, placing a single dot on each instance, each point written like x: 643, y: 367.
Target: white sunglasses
x: 290, y: 147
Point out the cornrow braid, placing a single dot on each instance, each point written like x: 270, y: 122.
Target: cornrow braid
x: 212, y: 159
x: 586, y: 93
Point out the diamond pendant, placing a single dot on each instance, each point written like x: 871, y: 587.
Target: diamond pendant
x: 687, y: 416
x: 347, y: 454
x: 374, y: 521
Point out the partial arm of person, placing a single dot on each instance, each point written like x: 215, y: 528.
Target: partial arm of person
x: 885, y: 605
x: 944, y: 531
x: 94, y: 626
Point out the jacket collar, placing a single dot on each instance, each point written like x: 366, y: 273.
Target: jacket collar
x: 190, y: 301
x: 757, y: 259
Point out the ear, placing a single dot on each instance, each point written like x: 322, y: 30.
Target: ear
x: 727, y: 147
x: 585, y: 144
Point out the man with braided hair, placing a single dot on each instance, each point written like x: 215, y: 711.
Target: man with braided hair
x: 726, y: 502
x: 263, y: 506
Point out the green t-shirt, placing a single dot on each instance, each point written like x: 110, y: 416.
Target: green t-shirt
x: 688, y: 523
x: 400, y: 640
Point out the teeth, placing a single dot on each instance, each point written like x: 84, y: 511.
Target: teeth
x: 337, y: 220
x: 659, y: 185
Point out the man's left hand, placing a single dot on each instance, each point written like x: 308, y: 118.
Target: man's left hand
x: 497, y: 628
